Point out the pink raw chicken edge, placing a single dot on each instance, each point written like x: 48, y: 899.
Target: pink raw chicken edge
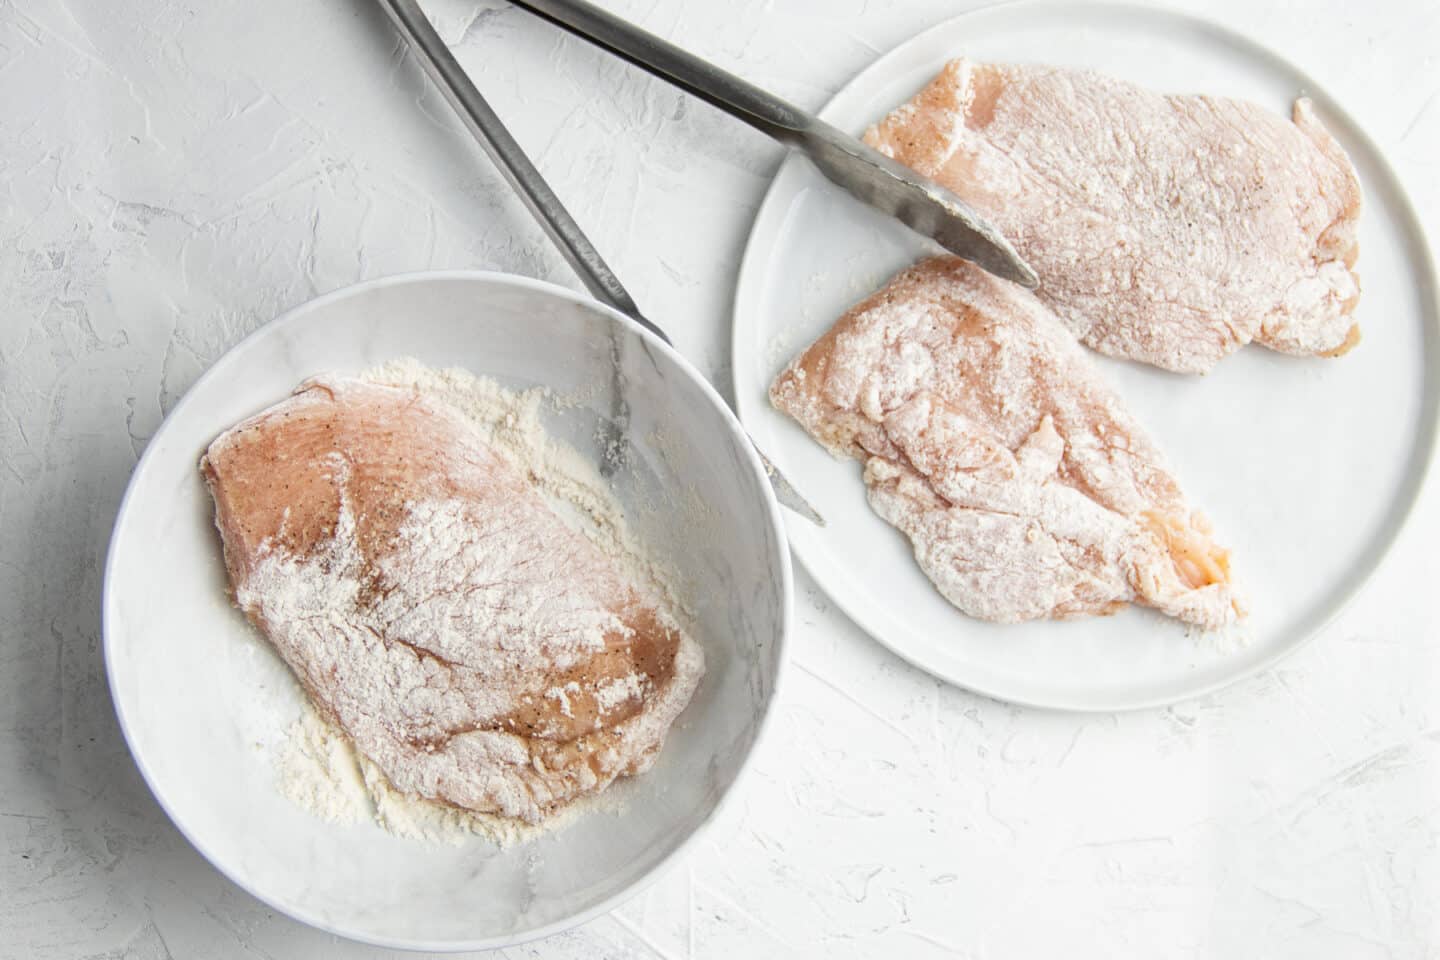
x: 1171, y: 230
x: 989, y: 438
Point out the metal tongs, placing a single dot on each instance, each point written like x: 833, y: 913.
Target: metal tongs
x: 916, y: 201
x: 507, y: 154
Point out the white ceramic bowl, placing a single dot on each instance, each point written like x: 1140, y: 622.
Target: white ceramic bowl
x: 204, y: 701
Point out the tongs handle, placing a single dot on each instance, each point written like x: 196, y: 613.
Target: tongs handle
x: 487, y: 128
x: 897, y: 191
x: 762, y: 110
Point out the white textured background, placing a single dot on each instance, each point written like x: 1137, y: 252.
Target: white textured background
x: 173, y: 173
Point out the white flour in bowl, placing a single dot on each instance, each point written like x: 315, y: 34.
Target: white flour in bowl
x: 319, y: 770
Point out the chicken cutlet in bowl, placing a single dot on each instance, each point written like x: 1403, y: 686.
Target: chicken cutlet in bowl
x: 208, y: 706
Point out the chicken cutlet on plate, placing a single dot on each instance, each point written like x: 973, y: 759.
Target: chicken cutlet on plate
x: 1171, y: 230
x: 989, y: 438
x: 472, y: 645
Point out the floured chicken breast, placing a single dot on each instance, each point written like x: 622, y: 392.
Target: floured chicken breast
x: 480, y: 652
x: 1168, y: 229
x: 988, y: 437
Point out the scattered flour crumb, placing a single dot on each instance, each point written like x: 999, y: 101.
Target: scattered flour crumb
x: 562, y: 696
x: 318, y: 771
x: 1228, y: 639
x: 614, y: 692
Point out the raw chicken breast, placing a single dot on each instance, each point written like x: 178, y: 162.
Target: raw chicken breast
x: 989, y: 439
x: 475, y: 648
x: 1168, y: 229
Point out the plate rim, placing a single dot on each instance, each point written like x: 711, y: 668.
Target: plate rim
x: 752, y: 273
x: 764, y: 724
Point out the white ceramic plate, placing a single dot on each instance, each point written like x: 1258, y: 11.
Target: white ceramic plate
x: 1307, y: 467
x: 204, y: 701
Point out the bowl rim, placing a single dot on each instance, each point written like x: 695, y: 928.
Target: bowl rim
x: 769, y: 507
